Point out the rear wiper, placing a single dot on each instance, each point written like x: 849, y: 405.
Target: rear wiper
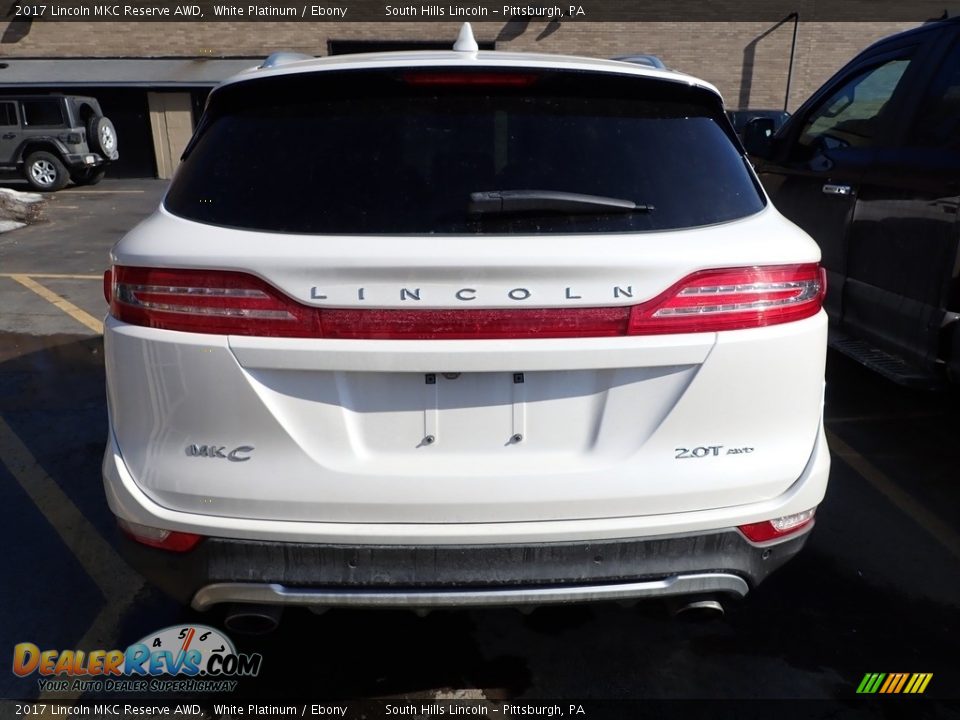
x: 501, y: 202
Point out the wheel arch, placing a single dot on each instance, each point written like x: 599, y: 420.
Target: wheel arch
x: 39, y: 144
x: 85, y: 111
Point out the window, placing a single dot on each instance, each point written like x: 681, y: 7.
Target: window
x: 938, y: 120
x: 42, y: 113
x: 853, y: 115
x: 371, y: 153
x: 8, y: 114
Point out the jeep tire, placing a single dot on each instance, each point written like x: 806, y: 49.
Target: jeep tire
x: 102, y: 136
x: 45, y: 171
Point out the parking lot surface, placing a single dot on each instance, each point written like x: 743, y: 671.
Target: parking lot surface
x: 877, y: 588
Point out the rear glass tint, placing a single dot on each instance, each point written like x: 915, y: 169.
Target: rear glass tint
x: 371, y: 152
x: 42, y: 113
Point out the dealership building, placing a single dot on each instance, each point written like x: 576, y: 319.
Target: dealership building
x: 152, y: 78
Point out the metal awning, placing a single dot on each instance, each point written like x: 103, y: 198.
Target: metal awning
x: 120, y: 72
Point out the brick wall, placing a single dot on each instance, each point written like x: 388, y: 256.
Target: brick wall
x: 747, y: 61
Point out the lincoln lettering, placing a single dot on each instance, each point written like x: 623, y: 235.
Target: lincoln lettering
x: 468, y: 294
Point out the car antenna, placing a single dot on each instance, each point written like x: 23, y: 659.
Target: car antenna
x: 466, y: 42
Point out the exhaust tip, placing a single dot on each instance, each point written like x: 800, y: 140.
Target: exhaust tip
x: 697, y: 609
x: 252, y: 619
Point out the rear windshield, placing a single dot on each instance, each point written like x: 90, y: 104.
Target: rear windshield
x: 374, y: 152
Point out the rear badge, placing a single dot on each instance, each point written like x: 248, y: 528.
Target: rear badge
x: 238, y: 454
x: 709, y: 451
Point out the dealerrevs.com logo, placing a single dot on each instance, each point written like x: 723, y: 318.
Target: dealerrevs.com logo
x: 192, y: 658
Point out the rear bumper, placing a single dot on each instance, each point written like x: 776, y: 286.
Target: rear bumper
x: 79, y: 161
x: 468, y: 564
x: 274, y: 594
x: 222, y: 570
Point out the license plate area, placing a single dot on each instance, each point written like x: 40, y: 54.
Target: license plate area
x: 474, y: 409
x: 482, y: 417
x: 376, y: 424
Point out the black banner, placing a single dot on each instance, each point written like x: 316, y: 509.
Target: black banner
x: 916, y: 708
x: 495, y: 11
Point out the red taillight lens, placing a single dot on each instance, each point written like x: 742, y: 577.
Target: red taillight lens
x: 779, y: 527
x: 468, y: 79
x: 171, y: 540
x: 107, y: 285
x: 733, y: 299
x: 474, y: 324
x: 208, y: 301
x: 233, y: 303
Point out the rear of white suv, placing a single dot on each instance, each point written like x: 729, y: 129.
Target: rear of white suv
x: 427, y: 329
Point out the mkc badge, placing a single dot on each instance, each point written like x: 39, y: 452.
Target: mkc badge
x: 238, y: 454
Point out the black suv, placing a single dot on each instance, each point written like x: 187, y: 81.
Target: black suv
x: 870, y: 167
x: 52, y: 139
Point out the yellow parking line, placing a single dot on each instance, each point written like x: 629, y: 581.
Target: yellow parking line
x: 98, y: 558
x: 113, y: 577
x: 910, y: 506
x: 54, y: 276
x: 81, y: 316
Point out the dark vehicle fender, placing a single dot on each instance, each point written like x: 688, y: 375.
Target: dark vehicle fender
x: 43, y: 142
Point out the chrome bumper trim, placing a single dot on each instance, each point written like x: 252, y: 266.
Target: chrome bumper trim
x: 274, y: 594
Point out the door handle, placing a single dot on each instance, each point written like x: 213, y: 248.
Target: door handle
x: 831, y: 189
x: 8, y: 136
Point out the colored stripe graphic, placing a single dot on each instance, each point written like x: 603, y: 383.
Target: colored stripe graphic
x: 894, y: 683
x: 903, y: 679
x: 892, y: 680
x: 870, y: 683
x: 918, y: 683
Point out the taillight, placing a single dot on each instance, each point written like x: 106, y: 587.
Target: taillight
x: 733, y: 299
x: 234, y: 303
x: 108, y: 285
x: 474, y: 324
x: 208, y: 301
x: 172, y: 540
x: 778, y: 527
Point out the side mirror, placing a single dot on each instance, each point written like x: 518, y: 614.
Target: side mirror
x: 758, y: 137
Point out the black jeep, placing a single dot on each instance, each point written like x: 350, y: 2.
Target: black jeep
x: 52, y: 139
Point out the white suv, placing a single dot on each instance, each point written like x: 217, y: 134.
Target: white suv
x: 463, y: 328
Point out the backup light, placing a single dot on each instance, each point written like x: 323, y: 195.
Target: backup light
x: 778, y: 527
x: 172, y: 540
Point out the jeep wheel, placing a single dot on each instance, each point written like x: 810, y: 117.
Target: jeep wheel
x: 88, y: 177
x: 102, y: 137
x: 45, y: 171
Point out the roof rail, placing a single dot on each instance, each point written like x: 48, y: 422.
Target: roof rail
x: 283, y: 57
